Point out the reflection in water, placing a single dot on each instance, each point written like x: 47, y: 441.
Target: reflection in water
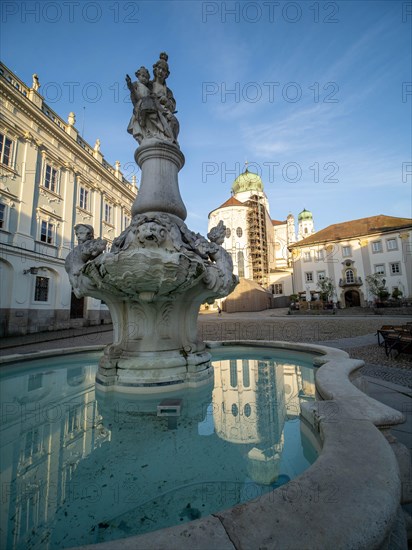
x: 79, y: 468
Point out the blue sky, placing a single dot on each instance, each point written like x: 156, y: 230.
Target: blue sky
x: 314, y: 95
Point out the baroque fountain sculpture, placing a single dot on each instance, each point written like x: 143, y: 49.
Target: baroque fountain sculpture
x: 157, y: 272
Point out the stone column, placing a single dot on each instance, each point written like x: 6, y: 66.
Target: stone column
x: 159, y: 188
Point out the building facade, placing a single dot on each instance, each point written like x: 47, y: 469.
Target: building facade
x: 258, y: 244
x: 50, y: 180
x: 349, y: 252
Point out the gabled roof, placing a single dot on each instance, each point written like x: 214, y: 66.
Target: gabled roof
x: 356, y: 228
x: 230, y: 202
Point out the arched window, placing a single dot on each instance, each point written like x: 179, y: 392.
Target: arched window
x: 245, y: 373
x: 239, y: 232
x: 240, y: 264
x: 235, y: 409
x: 247, y: 410
x: 350, y: 278
x: 233, y: 373
x: 228, y: 232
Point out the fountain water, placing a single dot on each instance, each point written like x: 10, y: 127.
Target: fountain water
x: 158, y: 272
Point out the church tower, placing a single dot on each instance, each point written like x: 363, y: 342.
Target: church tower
x: 305, y: 224
x: 291, y: 235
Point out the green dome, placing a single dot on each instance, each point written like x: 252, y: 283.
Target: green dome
x: 248, y: 181
x: 305, y: 215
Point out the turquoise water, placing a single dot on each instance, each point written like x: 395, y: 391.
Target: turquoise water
x: 80, y: 467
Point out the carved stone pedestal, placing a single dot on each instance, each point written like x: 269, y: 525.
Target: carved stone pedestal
x: 155, y: 345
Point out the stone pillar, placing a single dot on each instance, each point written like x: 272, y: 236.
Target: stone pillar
x: 159, y: 188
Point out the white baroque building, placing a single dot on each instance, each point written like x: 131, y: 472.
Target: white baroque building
x: 257, y: 243
x: 50, y: 180
x: 348, y: 252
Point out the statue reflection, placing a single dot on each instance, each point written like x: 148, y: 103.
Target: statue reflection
x: 253, y: 399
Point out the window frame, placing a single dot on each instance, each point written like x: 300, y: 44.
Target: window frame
x: 319, y: 273
x: 38, y: 289
x: 108, y: 208
x: 319, y: 255
x: 5, y: 219
x: 86, y: 198
x: 47, y: 164
x: 12, y: 151
x: 307, y: 279
x: 377, y: 272
x: 48, y: 223
x: 307, y: 256
x: 51, y: 178
x: 345, y: 254
x: 240, y: 260
x: 378, y: 242
x: 395, y: 273
x: 276, y: 288
x: 350, y: 280
x: 394, y: 240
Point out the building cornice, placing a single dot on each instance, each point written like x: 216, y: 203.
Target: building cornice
x: 362, y: 237
x: 37, y: 115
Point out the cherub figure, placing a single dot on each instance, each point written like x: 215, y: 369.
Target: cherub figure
x: 87, y: 249
x: 153, y: 104
x: 219, y: 276
x: 144, y: 121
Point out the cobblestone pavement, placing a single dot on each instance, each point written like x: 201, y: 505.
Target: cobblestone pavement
x: 356, y: 335
x: 400, y: 377
x: 397, y: 370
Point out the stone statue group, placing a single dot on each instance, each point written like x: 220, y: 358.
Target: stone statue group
x: 153, y: 104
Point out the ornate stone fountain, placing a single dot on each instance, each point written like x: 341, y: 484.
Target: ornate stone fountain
x: 157, y: 272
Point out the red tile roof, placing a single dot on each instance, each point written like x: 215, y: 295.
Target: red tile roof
x: 277, y: 222
x: 356, y: 228
x: 230, y: 202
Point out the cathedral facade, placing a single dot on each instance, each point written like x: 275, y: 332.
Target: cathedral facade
x: 258, y: 244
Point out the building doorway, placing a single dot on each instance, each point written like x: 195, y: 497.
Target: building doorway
x: 76, y: 307
x: 352, y: 298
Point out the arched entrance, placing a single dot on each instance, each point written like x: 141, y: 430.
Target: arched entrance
x: 352, y: 298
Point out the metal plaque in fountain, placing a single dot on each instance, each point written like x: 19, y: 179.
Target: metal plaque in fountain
x: 157, y: 272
